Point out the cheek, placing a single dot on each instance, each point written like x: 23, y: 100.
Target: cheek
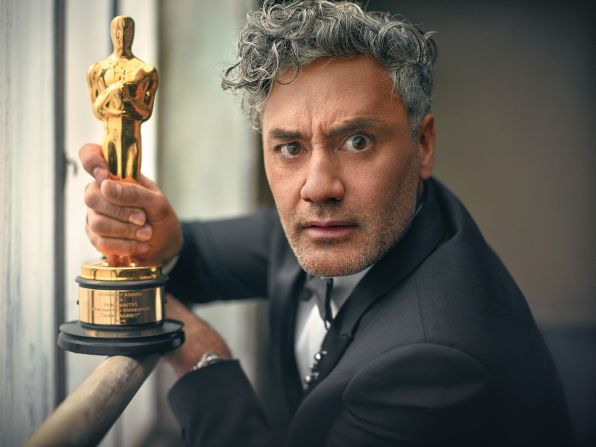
x: 280, y: 182
x: 385, y: 180
x: 378, y: 178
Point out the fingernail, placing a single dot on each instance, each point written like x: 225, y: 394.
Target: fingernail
x: 144, y: 233
x: 138, y: 218
x: 100, y: 174
x: 114, y: 189
x: 142, y: 247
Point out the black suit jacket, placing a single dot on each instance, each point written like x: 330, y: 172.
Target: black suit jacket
x: 435, y: 346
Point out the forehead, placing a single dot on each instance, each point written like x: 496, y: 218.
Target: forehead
x: 122, y: 24
x: 331, y: 91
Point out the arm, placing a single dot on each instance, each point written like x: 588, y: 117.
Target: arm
x: 102, y: 94
x: 224, y: 259
x: 101, y: 104
x: 422, y: 395
x: 215, y: 405
x: 144, y: 87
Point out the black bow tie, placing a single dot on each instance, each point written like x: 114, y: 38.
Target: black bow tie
x: 320, y: 289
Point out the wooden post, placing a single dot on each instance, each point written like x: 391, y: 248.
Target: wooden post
x: 89, y: 412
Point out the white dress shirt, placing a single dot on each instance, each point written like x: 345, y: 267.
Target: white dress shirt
x: 310, y: 328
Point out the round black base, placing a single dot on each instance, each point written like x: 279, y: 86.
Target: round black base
x: 100, y: 341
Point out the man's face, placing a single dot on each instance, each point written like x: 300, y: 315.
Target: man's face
x: 342, y: 165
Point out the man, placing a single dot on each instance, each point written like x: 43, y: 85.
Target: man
x: 422, y: 337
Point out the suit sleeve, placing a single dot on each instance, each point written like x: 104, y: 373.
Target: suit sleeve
x: 223, y: 259
x: 217, y: 406
x: 417, y: 395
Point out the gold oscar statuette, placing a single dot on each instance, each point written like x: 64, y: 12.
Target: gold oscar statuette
x: 121, y: 304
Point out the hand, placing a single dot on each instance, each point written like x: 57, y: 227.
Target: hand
x: 128, y: 219
x: 199, y: 338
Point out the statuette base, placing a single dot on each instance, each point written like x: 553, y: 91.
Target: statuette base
x: 128, y: 341
x: 121, y: 312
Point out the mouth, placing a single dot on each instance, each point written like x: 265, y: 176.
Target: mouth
x: 328, y: 229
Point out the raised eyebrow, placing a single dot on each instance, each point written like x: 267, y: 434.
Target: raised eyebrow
x: 349, y: 126
x: 284, y: 134
x: 353, y: 125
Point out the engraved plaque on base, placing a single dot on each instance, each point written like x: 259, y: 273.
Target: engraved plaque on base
x: 120, y: 296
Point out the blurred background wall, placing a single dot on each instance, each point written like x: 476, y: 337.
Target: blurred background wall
x: 208, y: 158
x: 515, y: 105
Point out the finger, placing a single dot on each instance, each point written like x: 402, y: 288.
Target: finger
x: 93, y: 161
x: 147, y: 183
x: 96, y: 201
x: 106, y: 226
x: 115, y: 260
x: 113, y: 246
x: 136, y: 196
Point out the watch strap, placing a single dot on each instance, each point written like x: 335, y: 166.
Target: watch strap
x: 209, y: 358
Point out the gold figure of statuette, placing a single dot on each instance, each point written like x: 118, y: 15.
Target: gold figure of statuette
x: 122, y: 91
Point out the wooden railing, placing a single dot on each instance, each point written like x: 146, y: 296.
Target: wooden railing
x: 87, y: 414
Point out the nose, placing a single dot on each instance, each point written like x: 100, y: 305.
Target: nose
x: 323, y: 181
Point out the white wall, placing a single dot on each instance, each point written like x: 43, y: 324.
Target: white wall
x: 27, y: 174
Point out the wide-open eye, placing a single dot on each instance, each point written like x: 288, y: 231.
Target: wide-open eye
x: 357, y: 143
x: 289, y: 150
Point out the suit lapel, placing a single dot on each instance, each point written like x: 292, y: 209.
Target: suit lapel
x: 423, y: 236
x: 288, y: 283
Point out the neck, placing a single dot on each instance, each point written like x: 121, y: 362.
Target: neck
x: 123, y: 52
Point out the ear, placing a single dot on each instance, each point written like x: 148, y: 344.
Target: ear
x: 426, y: 146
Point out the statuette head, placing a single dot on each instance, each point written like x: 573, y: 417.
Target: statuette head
x: 123, y: 33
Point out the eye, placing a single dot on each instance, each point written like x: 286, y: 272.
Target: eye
x: 357, y: 143
x: 289, y: 150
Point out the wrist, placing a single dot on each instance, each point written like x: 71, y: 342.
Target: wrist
x: 208, y: 358
x: 184, y: 363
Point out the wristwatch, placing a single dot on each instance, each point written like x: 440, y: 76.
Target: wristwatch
x: 209, y: 358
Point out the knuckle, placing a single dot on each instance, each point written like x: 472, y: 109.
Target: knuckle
x: 161, y: 207
x: 90, y: 195
x: 95, y: 223
x: 86, y: 148
x: 120, y: 212
x: 88, y: 154
x: 101, y: 243
x: 130, y: 247
x: 83, y: 150
x: 131, y: 231
x: 131, y: 194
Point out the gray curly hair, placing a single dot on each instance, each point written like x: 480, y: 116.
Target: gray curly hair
x: 286, y: 36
